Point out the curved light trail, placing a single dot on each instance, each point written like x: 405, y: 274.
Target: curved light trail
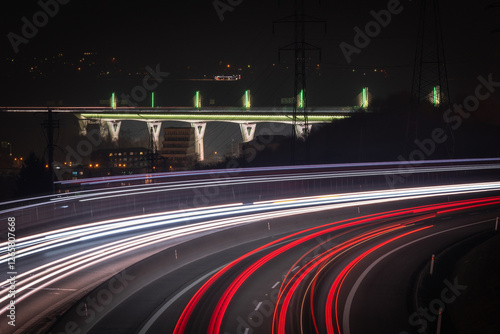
x: 308, y: 273
x: 358, y: 238
x: 141, y: 184
x: 57, y: 238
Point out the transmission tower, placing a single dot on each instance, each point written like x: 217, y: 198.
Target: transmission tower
x: 430, y: 78
x: 299, y: 47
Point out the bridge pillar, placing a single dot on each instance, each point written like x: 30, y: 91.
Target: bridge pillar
x: 114, y: 130
x: 154, y: 128
x: 103, y: 130
x: 248, y: 131
x: 83, y: 126
x: 199, y: 133
x: 300, y: 130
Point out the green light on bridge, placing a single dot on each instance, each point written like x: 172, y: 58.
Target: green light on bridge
x: 197, y: 100
x: 364, y: 98
x: 152, y: 99
x: 247, y: 99
x: 235, y: 117
x: 301, y: 99
x: 113, y: 101
x: 435, y: 98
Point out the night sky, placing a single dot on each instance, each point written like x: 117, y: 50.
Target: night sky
x: 189, y: 40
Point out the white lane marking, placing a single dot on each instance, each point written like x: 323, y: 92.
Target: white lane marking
x: 356, y: 285
x: 158, y: 313
x: 258, y: 305
x: 275, y: 284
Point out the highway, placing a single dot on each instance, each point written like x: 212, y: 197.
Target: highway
x: 115, y: 197
x: 282, y: 266
x: 287, y: 264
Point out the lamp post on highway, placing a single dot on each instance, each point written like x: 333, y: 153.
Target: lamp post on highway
x: 438, y: 330
x: 432, y: 263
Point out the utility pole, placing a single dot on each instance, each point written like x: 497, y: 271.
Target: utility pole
x: 299, y: 46
x: 49, y: 125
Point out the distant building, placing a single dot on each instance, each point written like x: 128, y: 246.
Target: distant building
x: 120, y: 160
x: 178, y: 148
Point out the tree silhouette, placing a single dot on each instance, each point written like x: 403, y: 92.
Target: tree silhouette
x: 33, y: 178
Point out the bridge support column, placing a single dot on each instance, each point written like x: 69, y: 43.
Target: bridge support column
x: 114, y: 130
x: 154, y: 128
x: 248, y: 131
x: 103, y: 130
x: 199, y: 133
x: 83, y: 126
x: 300, y: 130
